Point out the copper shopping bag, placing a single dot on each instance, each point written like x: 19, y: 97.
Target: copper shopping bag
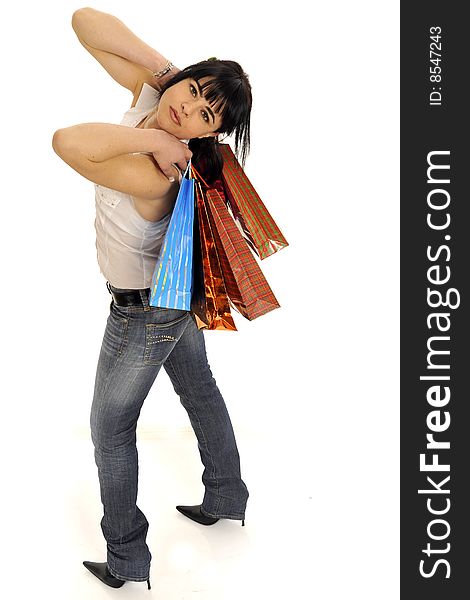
x: 210, y: 304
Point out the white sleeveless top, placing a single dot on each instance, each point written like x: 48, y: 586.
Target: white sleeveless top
x: 128, y: 245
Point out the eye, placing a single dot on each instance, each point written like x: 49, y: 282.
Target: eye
x: 203, y: 112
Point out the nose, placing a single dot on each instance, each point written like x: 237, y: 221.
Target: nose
x: 188, y: 108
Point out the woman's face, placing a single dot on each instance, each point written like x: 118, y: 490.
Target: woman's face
x: 196, y: 116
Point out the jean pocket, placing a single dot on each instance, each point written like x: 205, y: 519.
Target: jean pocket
x: 162, y: 336
x: 115, y: 334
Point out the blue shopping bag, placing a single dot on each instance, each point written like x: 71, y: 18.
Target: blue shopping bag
x: 172, y: 279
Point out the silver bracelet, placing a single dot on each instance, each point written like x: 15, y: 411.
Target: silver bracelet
x: 165, y: 70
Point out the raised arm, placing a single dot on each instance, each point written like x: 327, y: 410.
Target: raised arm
x: 128, y: 59
x: 111, y: 155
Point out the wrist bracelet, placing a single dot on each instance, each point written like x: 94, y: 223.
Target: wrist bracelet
x: 164, y: 71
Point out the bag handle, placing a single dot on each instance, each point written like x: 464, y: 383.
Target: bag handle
x: 188, y: 166
x: 196, y: 175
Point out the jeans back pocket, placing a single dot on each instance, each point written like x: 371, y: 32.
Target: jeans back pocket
x: 162, y: 336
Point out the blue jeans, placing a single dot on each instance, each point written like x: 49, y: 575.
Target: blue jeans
x: 138, y: 341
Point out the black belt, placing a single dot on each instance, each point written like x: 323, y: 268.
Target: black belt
x: 128, y: 298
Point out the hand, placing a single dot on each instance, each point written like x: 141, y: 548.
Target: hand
x: 170, y: 151
x: 160, y: 81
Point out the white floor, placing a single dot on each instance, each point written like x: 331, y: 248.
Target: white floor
x: 265, y: 558
x: 309, y: 532
x: 188, y: 559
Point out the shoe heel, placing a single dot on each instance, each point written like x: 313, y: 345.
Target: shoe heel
x: 243, y: 522
x: 148, y: 583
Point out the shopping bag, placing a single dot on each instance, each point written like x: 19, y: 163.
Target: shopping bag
x: 247, y: 288
x: 171, y: 285
x: 248, y: 210
x: 210, y: 304
x: 235, y: 214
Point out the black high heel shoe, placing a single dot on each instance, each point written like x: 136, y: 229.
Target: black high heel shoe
x: 101, y: 571
x: 195, y: 514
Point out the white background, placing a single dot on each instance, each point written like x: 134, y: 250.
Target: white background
x: 312, y: 388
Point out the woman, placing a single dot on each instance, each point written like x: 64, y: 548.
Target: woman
x: 135, y: 168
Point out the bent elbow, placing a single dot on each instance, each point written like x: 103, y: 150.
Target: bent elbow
x: 65, y: 146
x: 58, y: 142
x: 78, y: 15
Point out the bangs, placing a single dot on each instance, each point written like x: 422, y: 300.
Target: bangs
x: 217, y: 94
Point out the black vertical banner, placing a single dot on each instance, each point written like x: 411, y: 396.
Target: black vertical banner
x: 435, y: 316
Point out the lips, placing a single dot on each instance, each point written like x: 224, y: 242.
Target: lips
x: 174, y: 116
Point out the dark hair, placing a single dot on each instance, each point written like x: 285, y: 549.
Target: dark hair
x: 229, y: 93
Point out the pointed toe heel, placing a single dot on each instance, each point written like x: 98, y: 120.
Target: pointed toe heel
x: 101, y: 571
x: 194, y: 513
